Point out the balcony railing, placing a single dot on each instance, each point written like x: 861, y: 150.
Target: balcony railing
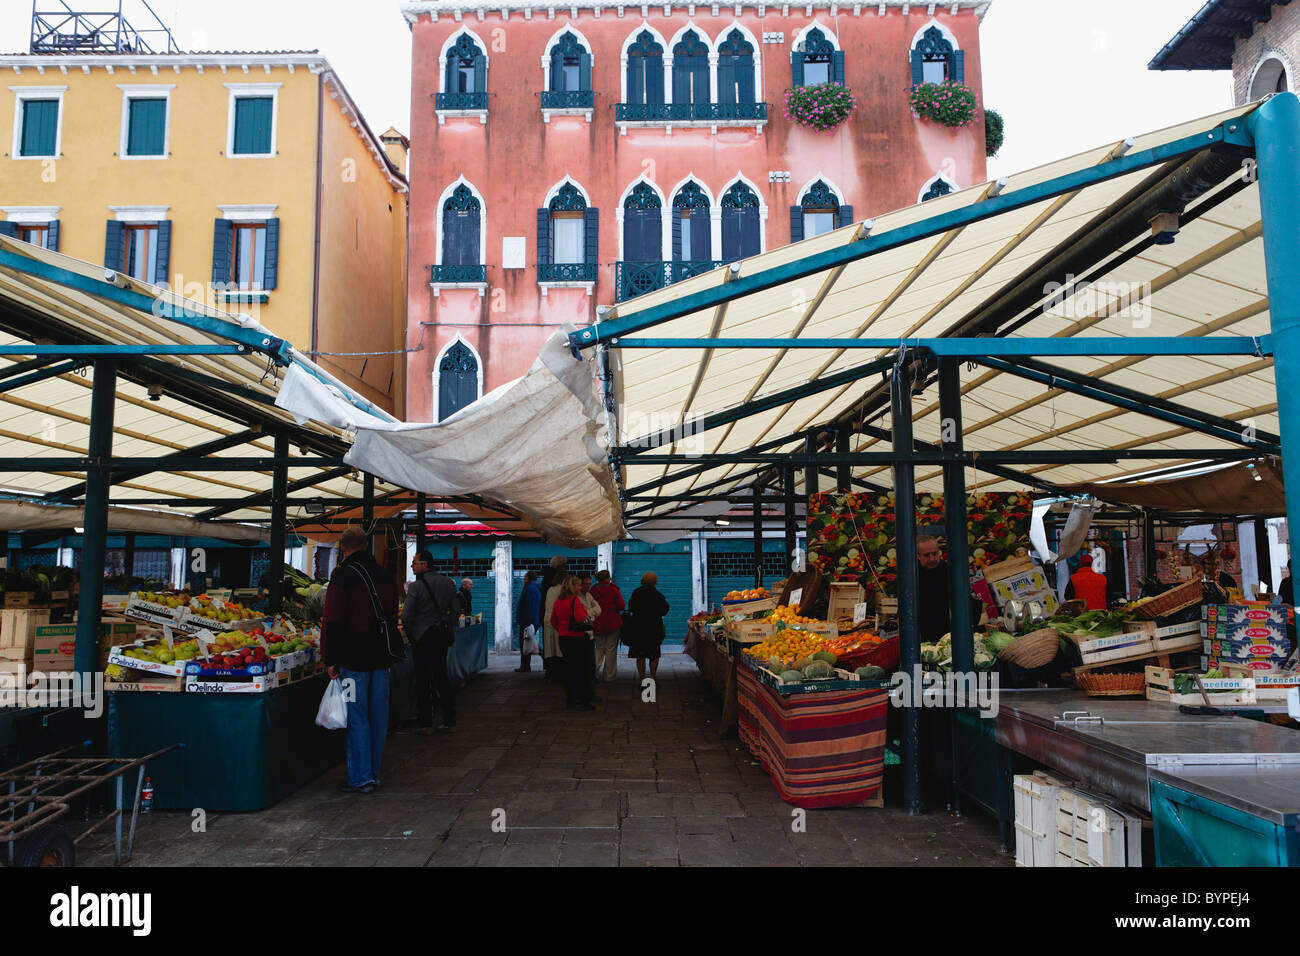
x: 689, y: 112
x: 632, y: 279
x: 568, y: 99
x: 452, y: 274
x: 566, y: 272
x: 462, y: 101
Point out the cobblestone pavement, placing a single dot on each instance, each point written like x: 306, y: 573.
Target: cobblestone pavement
x: 633, y: 784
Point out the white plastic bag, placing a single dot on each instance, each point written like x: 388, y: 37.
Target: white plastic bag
x: 528, y: 643
x: 333, y: 711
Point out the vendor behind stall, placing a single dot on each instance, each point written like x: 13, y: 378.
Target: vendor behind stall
x: 933, y: 616
x: 1087, y: 585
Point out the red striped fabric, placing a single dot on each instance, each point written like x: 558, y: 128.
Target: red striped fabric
x: 823, y: 749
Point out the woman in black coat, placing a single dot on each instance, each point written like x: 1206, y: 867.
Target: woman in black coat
x: 644, y: 624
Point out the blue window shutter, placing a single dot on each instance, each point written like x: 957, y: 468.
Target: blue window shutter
x: 958, y: 64
x: 52, y: 236
x: 918, y: 68
x: 114, y: 249
x: 253, y: 117
x: 681, y: 80
x: 221, y: 251
x: 837, y: 67
x: 543, y: 237
x: 744, y: 68
x: 480, y: 73
x: 162, y: 270
x: 796, y: 223
x: 9, y: 229
x: 750, y: 241
x: 654, y: 80
x: 677, y: 235
x: 591, y: 236
x: 731, y: 226
x: 584, y: 71
x: 635, y: 79
x: 40, y: 132
x: 727, y: 79
x: 557, y: 70
x: 796, y: 69
x: 843, y: 216
x: 272, y: 268
x: 701, y: 235
x: 147, y: 130
x: 449, y: 84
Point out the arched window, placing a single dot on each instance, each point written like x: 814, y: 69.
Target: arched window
x: 458, y: 380
x: 1270, y: 77
x: 465, y: 78
x: 815, y: 60
x: 934, y: 60
x: 570, y: 74
x: 645, y: 71
x: 691, y: 230
x: 741, y: 236
x: 690, y: 75
x: 642, y: 267
x: 935, y: 188
x: 567, y: 238
x: 462, y: 251
x: 736, y: 70
x: 818, y: 212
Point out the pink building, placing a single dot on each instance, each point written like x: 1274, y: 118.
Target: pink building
x: 568, y: 156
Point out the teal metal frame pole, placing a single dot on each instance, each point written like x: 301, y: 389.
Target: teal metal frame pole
x: 1275, y: 127
x: 279, y: 519
x: 367, y: 502
x: 844, y: 474
x: 421, y: 516
x: 1149, y: 543
x: 128, y: 555
x: 954, y: 510
x: 94, y: 539
x: 758, y: 535
x: 811, y: 476
x: 908, y: 617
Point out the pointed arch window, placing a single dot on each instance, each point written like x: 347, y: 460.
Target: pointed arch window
x: 736, y: 70
x: 462, y: 251
x: 459, y: 380
x: 940, y: 187
x: 818, y: 212
x: 642, y: 268
x: 740, y: 223
x: 691, y: 226
x: 465, y: 77
x: 645, y: 71
x: 934, y: 60
x: 690, y: 74
x: 816, y: 60
x: 569, y: 75
x: 567, y: 238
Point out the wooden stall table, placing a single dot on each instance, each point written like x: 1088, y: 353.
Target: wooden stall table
x: 719, y: 669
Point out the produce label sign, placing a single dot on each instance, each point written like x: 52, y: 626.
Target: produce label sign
x: 852, y: 534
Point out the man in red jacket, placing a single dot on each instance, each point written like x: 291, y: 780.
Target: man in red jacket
x: 1087, y: 585
x: 609, y: 622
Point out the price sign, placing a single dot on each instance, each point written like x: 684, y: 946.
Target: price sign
x: 859, y: 612
x: 796, y: 596
x: 289, y: 626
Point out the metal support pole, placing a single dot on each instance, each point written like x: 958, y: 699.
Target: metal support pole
x: 954, y: 507
x: 758, y: 536
x: 909, y: 623
x: 1276, y: 130
x: 1263, y: 557
x: 844, y: 476
x: 368, y: 502
x: 279, y: 520
x: 810, y: 476
x: 103, y: 399
x: 421, y: 515
x: 128, y: 557
x: 1148, y: 543
x: 791, y: 526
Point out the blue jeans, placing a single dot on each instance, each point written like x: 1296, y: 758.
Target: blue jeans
x: 367, y: 724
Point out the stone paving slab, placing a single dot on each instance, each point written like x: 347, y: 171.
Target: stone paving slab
x: 632, y: 784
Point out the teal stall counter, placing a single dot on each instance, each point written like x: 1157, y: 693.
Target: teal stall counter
x: 241, y: 751
x: 1227, y: 816
x: 469, y: 654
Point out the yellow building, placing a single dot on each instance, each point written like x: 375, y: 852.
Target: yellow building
x: 249, y: 180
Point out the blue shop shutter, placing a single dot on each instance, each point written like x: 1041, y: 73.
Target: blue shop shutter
x: 654, y: 80
x: 271, y: 272
x: 918, y: 68
x: 114, y: 250
x: 52, y: 236
x: 591, y: 235
x: 162, y: 268
x: 221, y: 240
x: 543, y: 237
x: 796, y: 223
x: 584, y: 71
x: 9, y: 229
x: 796, y: 69
x: 843, y: 216
x: 701, y: 238
x: 837, y: 67
x: 958, y: 64
x: 677, y: 235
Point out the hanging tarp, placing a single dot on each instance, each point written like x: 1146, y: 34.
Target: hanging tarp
x: 1252, y: 488
x: 534, y: 444
x: 31, y: 516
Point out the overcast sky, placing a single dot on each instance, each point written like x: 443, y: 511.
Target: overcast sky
x: 1066, y: 75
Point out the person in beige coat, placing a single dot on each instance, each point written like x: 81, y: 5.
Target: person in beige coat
x: 552, y: 584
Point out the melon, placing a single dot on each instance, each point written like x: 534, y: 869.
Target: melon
x: 826, y: 656
x: 871, y: 672
x: 791, y: 677
x: 817, y: 670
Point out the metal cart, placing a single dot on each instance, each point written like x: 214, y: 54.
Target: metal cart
x: 37, y: 797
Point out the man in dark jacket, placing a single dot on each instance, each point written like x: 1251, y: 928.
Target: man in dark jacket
x: 428, y: 617
x: 466, y: 596
x: 934, y: 619
x: 354, y: 647
x: 528, y: 613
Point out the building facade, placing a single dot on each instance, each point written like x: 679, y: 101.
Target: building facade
x: 568, y: 156
x: 247, y: 180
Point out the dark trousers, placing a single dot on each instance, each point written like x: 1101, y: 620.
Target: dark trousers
x: 431, y: 678
x: 579, y: 663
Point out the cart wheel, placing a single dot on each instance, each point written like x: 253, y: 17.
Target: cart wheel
x: 49, y: 847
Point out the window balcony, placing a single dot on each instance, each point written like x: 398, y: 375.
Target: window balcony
x: 566, y: 272
x: 632, y: 279
x: 458, y: 277
x: 461, y: 104
x: 631, y: 115
x: 568, y: 99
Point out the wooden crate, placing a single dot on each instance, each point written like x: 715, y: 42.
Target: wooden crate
x: 886, y: 606
x: 845, y: 595
x: 18, y: 628
x: 20, y: 598
x: 1160, y: 686
x: 1008, y: 568
x: 751, y: 632
x: 824, y: 628
x: 732, y: 608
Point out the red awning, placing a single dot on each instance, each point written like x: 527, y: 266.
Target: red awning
x: 466, y: 530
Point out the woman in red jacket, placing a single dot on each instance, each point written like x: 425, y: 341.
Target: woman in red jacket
x: 569, y: 618
x: 609, y: 623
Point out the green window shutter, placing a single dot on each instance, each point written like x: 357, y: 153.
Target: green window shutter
x: 796, y: 223
x: 543, y: 237
x: 221, y: 251
x: 591, y: 235
x: 9, y: 230
x: 162, y: 268
x: 40, y: 127
x: 837, y: 67
x: 272, y: 269
x: 584, y: 71
x: 796, y: 69
x: 114, y: 245
x: 253, y: 117
x: 52, y: 236
x: 958, y: 64
x: 147, y: 129
x: 480, y: 74
x: 557, y: 71
x: 918, y: 68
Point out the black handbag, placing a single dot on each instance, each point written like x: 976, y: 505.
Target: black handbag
x: 586, y: 626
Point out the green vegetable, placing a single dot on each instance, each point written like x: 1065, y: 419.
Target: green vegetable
x: 871, y: 672
x: 996, y: 641
x: 826, y: 656
x: 791, y: 677
x: 817, y: 670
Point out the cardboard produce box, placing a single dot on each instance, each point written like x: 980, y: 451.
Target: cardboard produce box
x: 1265, y: 665
x: 54, y: 648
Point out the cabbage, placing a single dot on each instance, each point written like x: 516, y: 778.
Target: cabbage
x: 997, y: 641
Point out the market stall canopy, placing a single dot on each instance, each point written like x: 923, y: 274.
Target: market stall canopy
x: 798, y: 339
x: 30, y: 516
x: 1251, y: 488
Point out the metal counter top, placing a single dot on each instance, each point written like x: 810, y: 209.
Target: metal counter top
x: 1271, y: 794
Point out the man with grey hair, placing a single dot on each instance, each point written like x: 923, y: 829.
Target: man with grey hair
x: 933, y: 616
x: 359, y: 641
x: 466, y: 602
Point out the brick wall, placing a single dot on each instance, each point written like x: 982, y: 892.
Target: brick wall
x: 1279, y: 37
x: 1226, y: 534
